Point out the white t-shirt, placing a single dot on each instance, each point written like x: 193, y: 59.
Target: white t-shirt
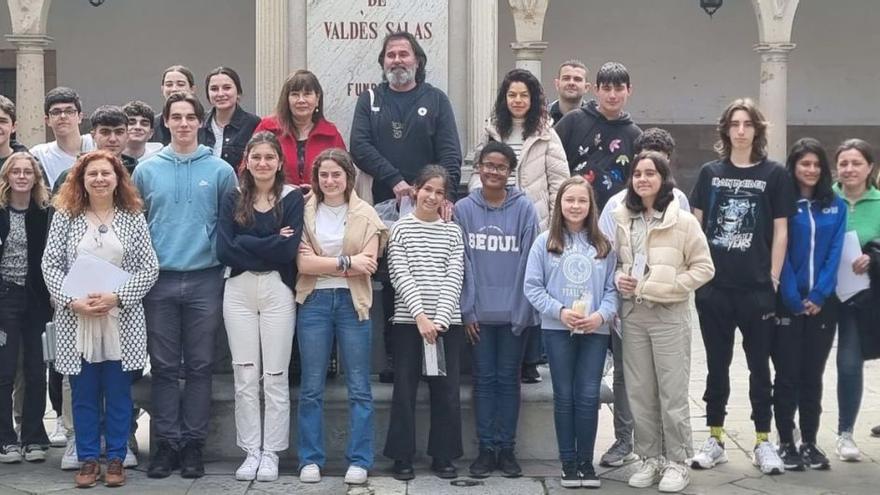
x: 330, y: 230
x: 218, y: 137
x: 55, y: 160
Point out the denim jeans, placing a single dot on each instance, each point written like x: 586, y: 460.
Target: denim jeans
x: 325, y: 313
x: 496, y: 372
x: 576, y: 364
x: 850, y: 367
x: 97, y: 380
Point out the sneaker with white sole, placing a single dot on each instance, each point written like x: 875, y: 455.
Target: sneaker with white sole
x: 268, y: 470
x: 248, y: 469
x: 676, y: 477
x: 310, y: 474
x: 767, y: 459
x: 620, y: 453
x: 131, y: 459
x: 10, y: 454
x: 35, y: 453
x: 710, y: 455
x: 847, y: 450
x: 70, y: 461
x: 356, y: 475
x: 648, y: 474
x: 58, y: 437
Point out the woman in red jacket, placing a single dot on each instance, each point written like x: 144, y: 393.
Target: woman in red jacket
x: 300, y: 126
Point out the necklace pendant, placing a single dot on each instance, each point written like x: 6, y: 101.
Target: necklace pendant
x: 103, y: 229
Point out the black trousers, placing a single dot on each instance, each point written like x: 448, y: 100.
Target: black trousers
x: 721, y: 311
x: 801, y: 345
x: 444, y: 439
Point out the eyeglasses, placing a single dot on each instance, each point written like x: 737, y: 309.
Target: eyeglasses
x: 67, y: 112
x: 492, y: 167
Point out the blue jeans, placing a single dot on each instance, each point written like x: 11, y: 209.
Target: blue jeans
x: 576, y: 364
x: 96, y: 381
x: 496, y: 369
x: 850, y: 364
x: 325, y: 313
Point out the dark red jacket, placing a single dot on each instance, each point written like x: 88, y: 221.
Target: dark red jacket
x: 323, y: 135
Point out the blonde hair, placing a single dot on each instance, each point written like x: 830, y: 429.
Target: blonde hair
x: 39, y: 192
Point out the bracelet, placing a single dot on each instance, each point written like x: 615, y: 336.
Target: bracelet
x: 340, y: 263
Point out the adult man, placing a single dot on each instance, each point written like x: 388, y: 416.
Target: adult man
x: 571, y: 86
x: 182, y: 188
x: 598, y: 139
x: 140, y: 129
x: 63, y: 115
x: 743, y: 201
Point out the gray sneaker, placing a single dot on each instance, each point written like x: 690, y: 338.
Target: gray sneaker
x: 10, y: 454
x: 618, y: 454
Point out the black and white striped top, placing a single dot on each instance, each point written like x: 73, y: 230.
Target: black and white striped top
x: 426, y: 261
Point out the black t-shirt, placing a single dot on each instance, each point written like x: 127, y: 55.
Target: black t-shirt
x: 739, y: 206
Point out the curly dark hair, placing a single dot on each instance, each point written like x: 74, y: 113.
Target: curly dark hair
x: 536, y: 117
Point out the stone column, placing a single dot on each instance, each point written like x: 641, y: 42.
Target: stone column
x: 30, y: 87
x: 773, y: 95
x: 528, y: 19
x: 483, y: 74
x: 271, y: 52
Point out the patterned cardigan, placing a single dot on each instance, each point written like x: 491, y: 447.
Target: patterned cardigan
x: 138, y: 258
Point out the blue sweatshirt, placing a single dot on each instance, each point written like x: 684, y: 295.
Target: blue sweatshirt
x: 554, y: 282
x: 815, y: 243
x: 496, y: 249
x: 182, y: 195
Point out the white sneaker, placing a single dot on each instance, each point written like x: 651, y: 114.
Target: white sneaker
x: 58, y: 437
x: 248, y: 469
x: 356, y: 475
x: 847, y: 450
x: 676, y: 477
x: 648, y: 473
x: 710, y: 455
x: 10, y: 454
x: 70, y: 461
x: 310, y: 474
x: 268, y: 470
x: 767, y: 459
x: 131, y: 459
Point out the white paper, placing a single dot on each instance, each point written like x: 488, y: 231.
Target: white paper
x: 640, y: 264
x: 850, y: 283
x: 91, y: 274
x: 406, y: 206
x: 432, y: 367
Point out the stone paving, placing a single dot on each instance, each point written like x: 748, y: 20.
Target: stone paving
x: 541, y: 478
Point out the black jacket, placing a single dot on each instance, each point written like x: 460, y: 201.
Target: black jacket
x: 36, y: 225
x: 236, y: 134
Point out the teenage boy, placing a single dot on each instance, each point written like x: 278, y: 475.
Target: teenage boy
x: 571, y: 86
x: 63, y: 115
x: 598, y: 138
x: 182, y: 187
x: 140, y: 130
x: 7, y: 129
x: 743, y: 201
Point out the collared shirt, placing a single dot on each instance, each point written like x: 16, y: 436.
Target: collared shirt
x: 640, y: 227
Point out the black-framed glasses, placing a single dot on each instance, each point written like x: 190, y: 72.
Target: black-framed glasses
x: 67, y: 112
x: 494, y: 167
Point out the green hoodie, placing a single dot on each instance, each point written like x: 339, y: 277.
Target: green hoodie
x: 864, y: 214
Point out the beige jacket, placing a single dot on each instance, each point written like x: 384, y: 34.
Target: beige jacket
x: 361, y: 225
x: 542, y: 168
x: 678, y: 255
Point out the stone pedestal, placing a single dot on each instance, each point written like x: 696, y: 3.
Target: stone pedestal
x: 30, y: 87
x: 529, y: 55
x: 774, y: 95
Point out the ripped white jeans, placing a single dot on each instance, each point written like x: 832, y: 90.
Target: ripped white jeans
x: 259, y: 311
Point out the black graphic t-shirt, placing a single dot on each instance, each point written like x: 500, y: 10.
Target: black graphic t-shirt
x: 739, y: 206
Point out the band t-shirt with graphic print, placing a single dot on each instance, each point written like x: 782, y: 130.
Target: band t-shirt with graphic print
x: 739, y: 205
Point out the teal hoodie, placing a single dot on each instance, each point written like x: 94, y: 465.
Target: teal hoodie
x: 182, y: 196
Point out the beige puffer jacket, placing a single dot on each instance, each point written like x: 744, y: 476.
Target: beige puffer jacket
x: 542, y: 168
x: 678, y: 255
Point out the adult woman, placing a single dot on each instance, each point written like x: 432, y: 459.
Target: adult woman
x: 343, y: 237
x: 101, y: 338
x: 426, y: 261
x: 855, y: 173
x: 300, y: 126
x: 24, y: 304
x: 807, y: 315
x: 175, y: 79
x: 494, y: 309
x: 663, y: 257
x: 258, y: 234
x: 227, y: 128
x: 570, y: 281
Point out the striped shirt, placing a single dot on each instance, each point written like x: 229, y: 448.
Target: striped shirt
x: 426, y: 261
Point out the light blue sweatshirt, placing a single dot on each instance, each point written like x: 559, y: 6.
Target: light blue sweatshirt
x: 182, y: 196
x: 554, y: 282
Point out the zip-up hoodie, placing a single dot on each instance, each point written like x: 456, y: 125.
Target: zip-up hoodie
x: 815, y: 242
x: 496, y: 249
x: 554, y: 282
x: 863, y: 215
x: 182, y: 195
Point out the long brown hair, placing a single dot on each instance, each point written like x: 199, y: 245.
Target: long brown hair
x: 341, y: 158
x: 39, y: 192
x: 759, y: 144
x: 556, y: 236
x: 244, y: 207
x: 73, y: 197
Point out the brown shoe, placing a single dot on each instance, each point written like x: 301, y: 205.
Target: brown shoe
x: 88, y: 474
x: 115, y: 475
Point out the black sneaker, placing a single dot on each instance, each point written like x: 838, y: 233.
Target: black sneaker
x: 814, y: 457
x: 530, y: 373
x: 483, y: 465
x: 164, y: 461
x: 191, y: 464
x: 587, y: 474
x: 570, y: 476
x: 875, y: 431
x: 507, y: 463
x: 403, y: 471
x: 790, y: 456
x: 444, y: 468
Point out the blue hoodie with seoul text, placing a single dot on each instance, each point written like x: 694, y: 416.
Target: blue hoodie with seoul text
x: 496, y: 249
x: 182, y: 196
